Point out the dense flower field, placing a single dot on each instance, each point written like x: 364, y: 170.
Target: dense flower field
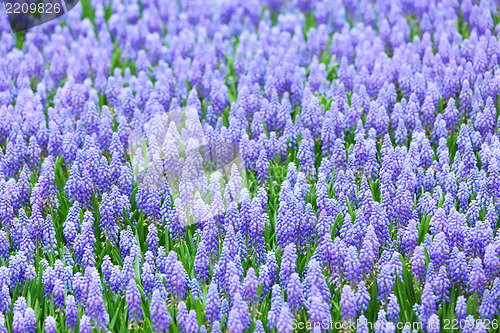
x: 251, y: 166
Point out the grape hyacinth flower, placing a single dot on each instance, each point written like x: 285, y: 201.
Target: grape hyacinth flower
x: 160, y: 317
x: 50, y: 325
x: 213, y: 303
x: 284, y: 324
x: 348, y: 303
x: 85, y: 324
x: 134, y: 301
x: 71, y: 313
x: 95, y: 303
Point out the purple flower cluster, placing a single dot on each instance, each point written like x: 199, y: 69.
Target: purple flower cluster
x: 368, y: 132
